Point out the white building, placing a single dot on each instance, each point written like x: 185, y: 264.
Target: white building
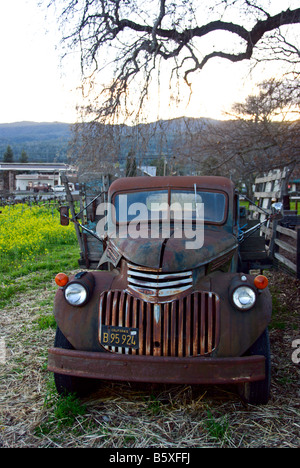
x: 27, y: 181
x: 24, y: 176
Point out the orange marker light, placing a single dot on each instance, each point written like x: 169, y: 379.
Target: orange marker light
x: 261, y: 282
x: 61, y: 279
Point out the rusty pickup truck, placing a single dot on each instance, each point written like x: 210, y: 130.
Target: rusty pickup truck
x: 173, y: 305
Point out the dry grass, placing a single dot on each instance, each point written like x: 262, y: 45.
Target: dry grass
x: 140, y: 416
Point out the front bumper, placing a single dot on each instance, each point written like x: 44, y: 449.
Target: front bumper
x: 188, y: 370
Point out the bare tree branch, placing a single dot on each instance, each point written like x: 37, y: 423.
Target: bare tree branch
x: 135, y: 33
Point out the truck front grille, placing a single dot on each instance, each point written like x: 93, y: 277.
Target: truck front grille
x: 155, y: 284
x: 188, y: 326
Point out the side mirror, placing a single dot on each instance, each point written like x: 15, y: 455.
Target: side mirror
x: 277, y: 210
x: 64, y: 215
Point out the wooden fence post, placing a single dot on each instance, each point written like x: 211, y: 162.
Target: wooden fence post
x: 272, y: 245
x: 70, y: 200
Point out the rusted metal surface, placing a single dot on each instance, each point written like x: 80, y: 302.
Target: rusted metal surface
x: 170, y: 255
x: 111, y: 254
x: 80, y: 324
x: 182, y: 182
x: 156, y: 369
x: 216, y: 242
x: 186, y: 327
x: 237, y: 330
x: 156, y: 284
x: 175, y: 301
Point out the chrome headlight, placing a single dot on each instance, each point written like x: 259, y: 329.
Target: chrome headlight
x: 76, y: 294
x: 244, y: 297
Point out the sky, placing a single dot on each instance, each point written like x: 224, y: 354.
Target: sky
x: 35, y: 85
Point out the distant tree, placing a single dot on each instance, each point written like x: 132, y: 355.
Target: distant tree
x: 24, y: 157
x: 94, y: 147
x: 8, y: 156
x: 159, y: 163
x: 131, y: 165
x: 263, y: 135
x: 270, y: 125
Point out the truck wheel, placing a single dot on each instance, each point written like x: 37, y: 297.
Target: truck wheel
x: 258, y: 393
x: 66, y: 384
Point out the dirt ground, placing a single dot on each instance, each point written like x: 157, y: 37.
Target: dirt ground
x: 140, y: 416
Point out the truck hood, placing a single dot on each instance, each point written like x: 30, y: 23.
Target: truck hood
x: 171, y: 254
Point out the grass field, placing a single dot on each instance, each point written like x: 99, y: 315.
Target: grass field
x: 121, y: 415
x: 28, y: 231
x: 32, y: 241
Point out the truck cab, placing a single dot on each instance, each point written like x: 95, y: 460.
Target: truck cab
x: 168, y: 302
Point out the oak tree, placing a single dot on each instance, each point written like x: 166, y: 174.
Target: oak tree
x: 134, y: 40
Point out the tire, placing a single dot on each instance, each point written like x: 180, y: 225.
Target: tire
x: 258, y: 392
x: 67, y: 384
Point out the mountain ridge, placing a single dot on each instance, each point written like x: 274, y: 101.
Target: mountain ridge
x: 49, y: 141
x: 42, y: 141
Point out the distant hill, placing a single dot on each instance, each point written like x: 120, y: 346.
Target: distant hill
x: 43, y: 142
x: 48, y: 142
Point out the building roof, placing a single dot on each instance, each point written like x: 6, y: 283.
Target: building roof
x: 35, y: 167
x: 35, y: 176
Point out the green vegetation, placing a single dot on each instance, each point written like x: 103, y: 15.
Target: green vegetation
x: 293, y: 206
x: 8, y: 156
x: 64, y: 411
x: 216, y: 426
x: 34, y: 248
x: 119, y: 415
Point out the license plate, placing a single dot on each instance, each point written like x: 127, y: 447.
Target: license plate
x: 119, y: 336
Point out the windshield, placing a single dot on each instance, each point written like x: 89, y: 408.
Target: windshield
x: 155, y: 205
